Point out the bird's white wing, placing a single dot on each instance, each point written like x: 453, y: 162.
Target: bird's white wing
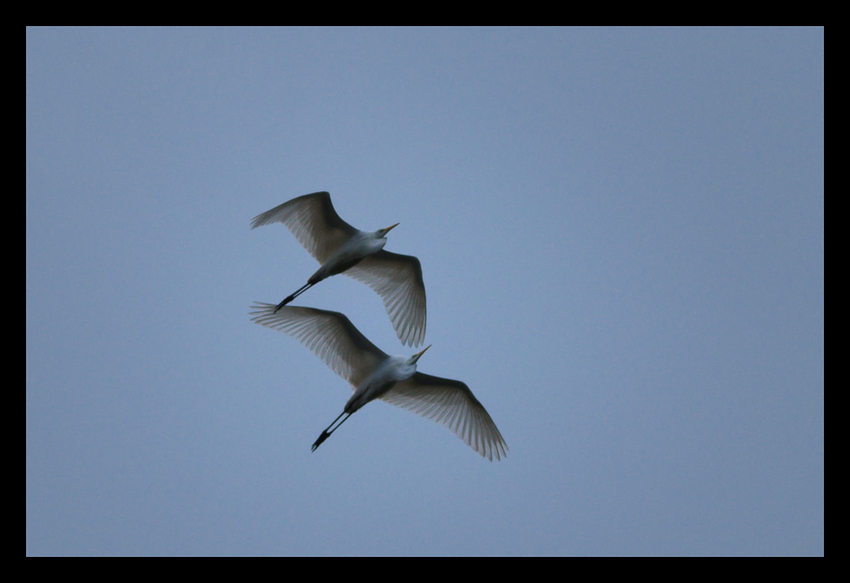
x: 313, y: 221
x: 329, y: 335
x: 398, y: 280
x: 452, y: 404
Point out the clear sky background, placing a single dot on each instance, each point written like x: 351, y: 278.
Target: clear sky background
x: 622, y: 239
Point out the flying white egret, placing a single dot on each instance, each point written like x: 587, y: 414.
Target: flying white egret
x: 374, y: 374
x: 341, y: 248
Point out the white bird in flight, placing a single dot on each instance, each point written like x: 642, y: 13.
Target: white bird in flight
x: 374, y: 374
x: 341, y: 248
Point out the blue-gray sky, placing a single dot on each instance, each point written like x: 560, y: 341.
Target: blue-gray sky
x: 622, y: 239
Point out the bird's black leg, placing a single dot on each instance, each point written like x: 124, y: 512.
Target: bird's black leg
x: 293, y: 296
x: 325, y: 434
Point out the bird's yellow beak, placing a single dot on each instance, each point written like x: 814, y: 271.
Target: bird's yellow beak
x: 390, y: 228
x: 419, y: 354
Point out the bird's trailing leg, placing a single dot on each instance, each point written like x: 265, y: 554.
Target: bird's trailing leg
x: 289, y: 298
x: 327, y: 432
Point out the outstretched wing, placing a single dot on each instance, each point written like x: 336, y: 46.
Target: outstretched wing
x: 398, y: 280
x: 313, y: 221
x: 452, y: 404
x: 329, y: 335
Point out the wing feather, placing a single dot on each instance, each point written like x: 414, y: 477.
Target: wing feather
x: 329, y: 335
x: 314, y: 222
x: 452, y: 404
x: 398, y: 280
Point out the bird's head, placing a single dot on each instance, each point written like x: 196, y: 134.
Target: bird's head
x: 416, y: 356
x: 385, y: 230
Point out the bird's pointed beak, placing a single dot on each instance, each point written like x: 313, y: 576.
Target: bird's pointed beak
x: 390, y: 228
x: 419, y: 354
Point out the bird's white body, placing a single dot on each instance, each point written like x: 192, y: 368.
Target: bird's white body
x: 393, y: 370
x: 349, y: 254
